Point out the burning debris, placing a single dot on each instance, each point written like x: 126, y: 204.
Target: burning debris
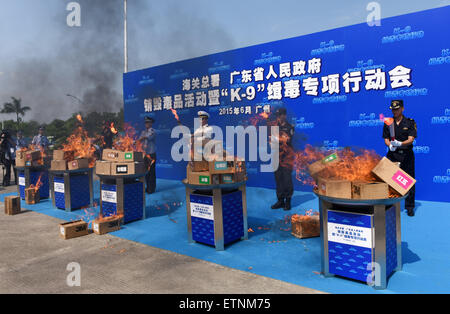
x: 306, y: 226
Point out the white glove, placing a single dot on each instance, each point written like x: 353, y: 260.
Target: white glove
x: 396, y: 143
x: 392, y: 148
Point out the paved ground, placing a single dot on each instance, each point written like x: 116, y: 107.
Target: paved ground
x: 33, y: 259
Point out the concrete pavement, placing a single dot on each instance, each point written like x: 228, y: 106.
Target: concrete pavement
x: 34, y: 259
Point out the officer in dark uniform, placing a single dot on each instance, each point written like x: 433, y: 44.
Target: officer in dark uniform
x: 148, y: 139
x: 401, y: 149
x: 108, y: 135
x: 283, y: 175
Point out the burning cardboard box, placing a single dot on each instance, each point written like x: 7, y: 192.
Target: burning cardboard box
x: 369, y: 190
x: 20, y: 162
x: 33, y: 155
x: 111, y: 154
x: 59, y: 165
x: 305, y: 226
x: 60, y: 154
x: 317, y: 167
x: 32, y: 195
x: 34, y: 163
x: 127, y: 168
x: 335, y: 188
x: 395, y: 177
x: 75, y: 229
x: 81, y: 163
x: 12, y: 205
x: 130, y: 157
x: 103, y: 167
x: 107, y: 224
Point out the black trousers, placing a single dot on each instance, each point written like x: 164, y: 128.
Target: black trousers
x: 7, y: 176
x: 283, y: 181
x: 150, y: 177
x: 407, y: 164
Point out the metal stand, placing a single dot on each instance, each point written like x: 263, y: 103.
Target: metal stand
x: 67, y: 175
x: 120, y: 182
x: 218, y: 210
x: 378, y: 210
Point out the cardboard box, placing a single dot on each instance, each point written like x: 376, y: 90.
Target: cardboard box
x: 21, y: 154
x: 20, y: 162
x: 335, y: 188
x: 233, y: 177
x: 304, y: 226
x: 395, y: 177
x: 207, y: 150
x: 59, y: 165
x: 32, y: 196
x: 370, y: 190
x: 131, y: 157
x: 34, y: 163
x: 111, y: 154
x: 12, y: 205
x: 60, y: 154
x: 199, y: 165
x: 33, y: 155
x: 107, y: 225
x: 103, y: 167
x: 127, y: 168
x: 221, y: 167
x: 317, y: 167
x: 75, y: 229
x: 81, y: 163
x: 200, y: 177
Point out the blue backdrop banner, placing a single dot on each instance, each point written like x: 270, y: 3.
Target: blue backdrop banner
x: 335, y: 85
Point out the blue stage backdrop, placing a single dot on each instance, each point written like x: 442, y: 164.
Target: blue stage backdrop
x: 334, y: 84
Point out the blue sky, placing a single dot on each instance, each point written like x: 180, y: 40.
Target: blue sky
x: 167, y: 31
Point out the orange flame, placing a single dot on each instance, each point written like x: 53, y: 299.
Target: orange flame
x: 81, y: 144
x: 175, y: 114
x: 351, y: 166
x: 387, y: 121
x: 113, y: 128
x: 79, y: 118
x: 131, y: 143
x: 38, y: 184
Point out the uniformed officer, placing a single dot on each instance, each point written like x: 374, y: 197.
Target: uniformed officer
x: 283, y: 175
x: 148, y: 140
x: 41, y: 140
x: 108, y: 135
x: 204, y: 131
x: 401, y: 148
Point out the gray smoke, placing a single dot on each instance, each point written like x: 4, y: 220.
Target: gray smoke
x: 87, y: 61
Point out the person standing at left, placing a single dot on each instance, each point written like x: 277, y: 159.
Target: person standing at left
x: 7, y: 152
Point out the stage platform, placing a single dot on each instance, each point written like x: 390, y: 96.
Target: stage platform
x: 272, y: 251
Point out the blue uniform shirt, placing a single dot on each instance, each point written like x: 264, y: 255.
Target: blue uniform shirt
x: 41, y: 140
x: 149, y: 140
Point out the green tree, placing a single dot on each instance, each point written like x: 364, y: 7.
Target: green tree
x: 15, y: 107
